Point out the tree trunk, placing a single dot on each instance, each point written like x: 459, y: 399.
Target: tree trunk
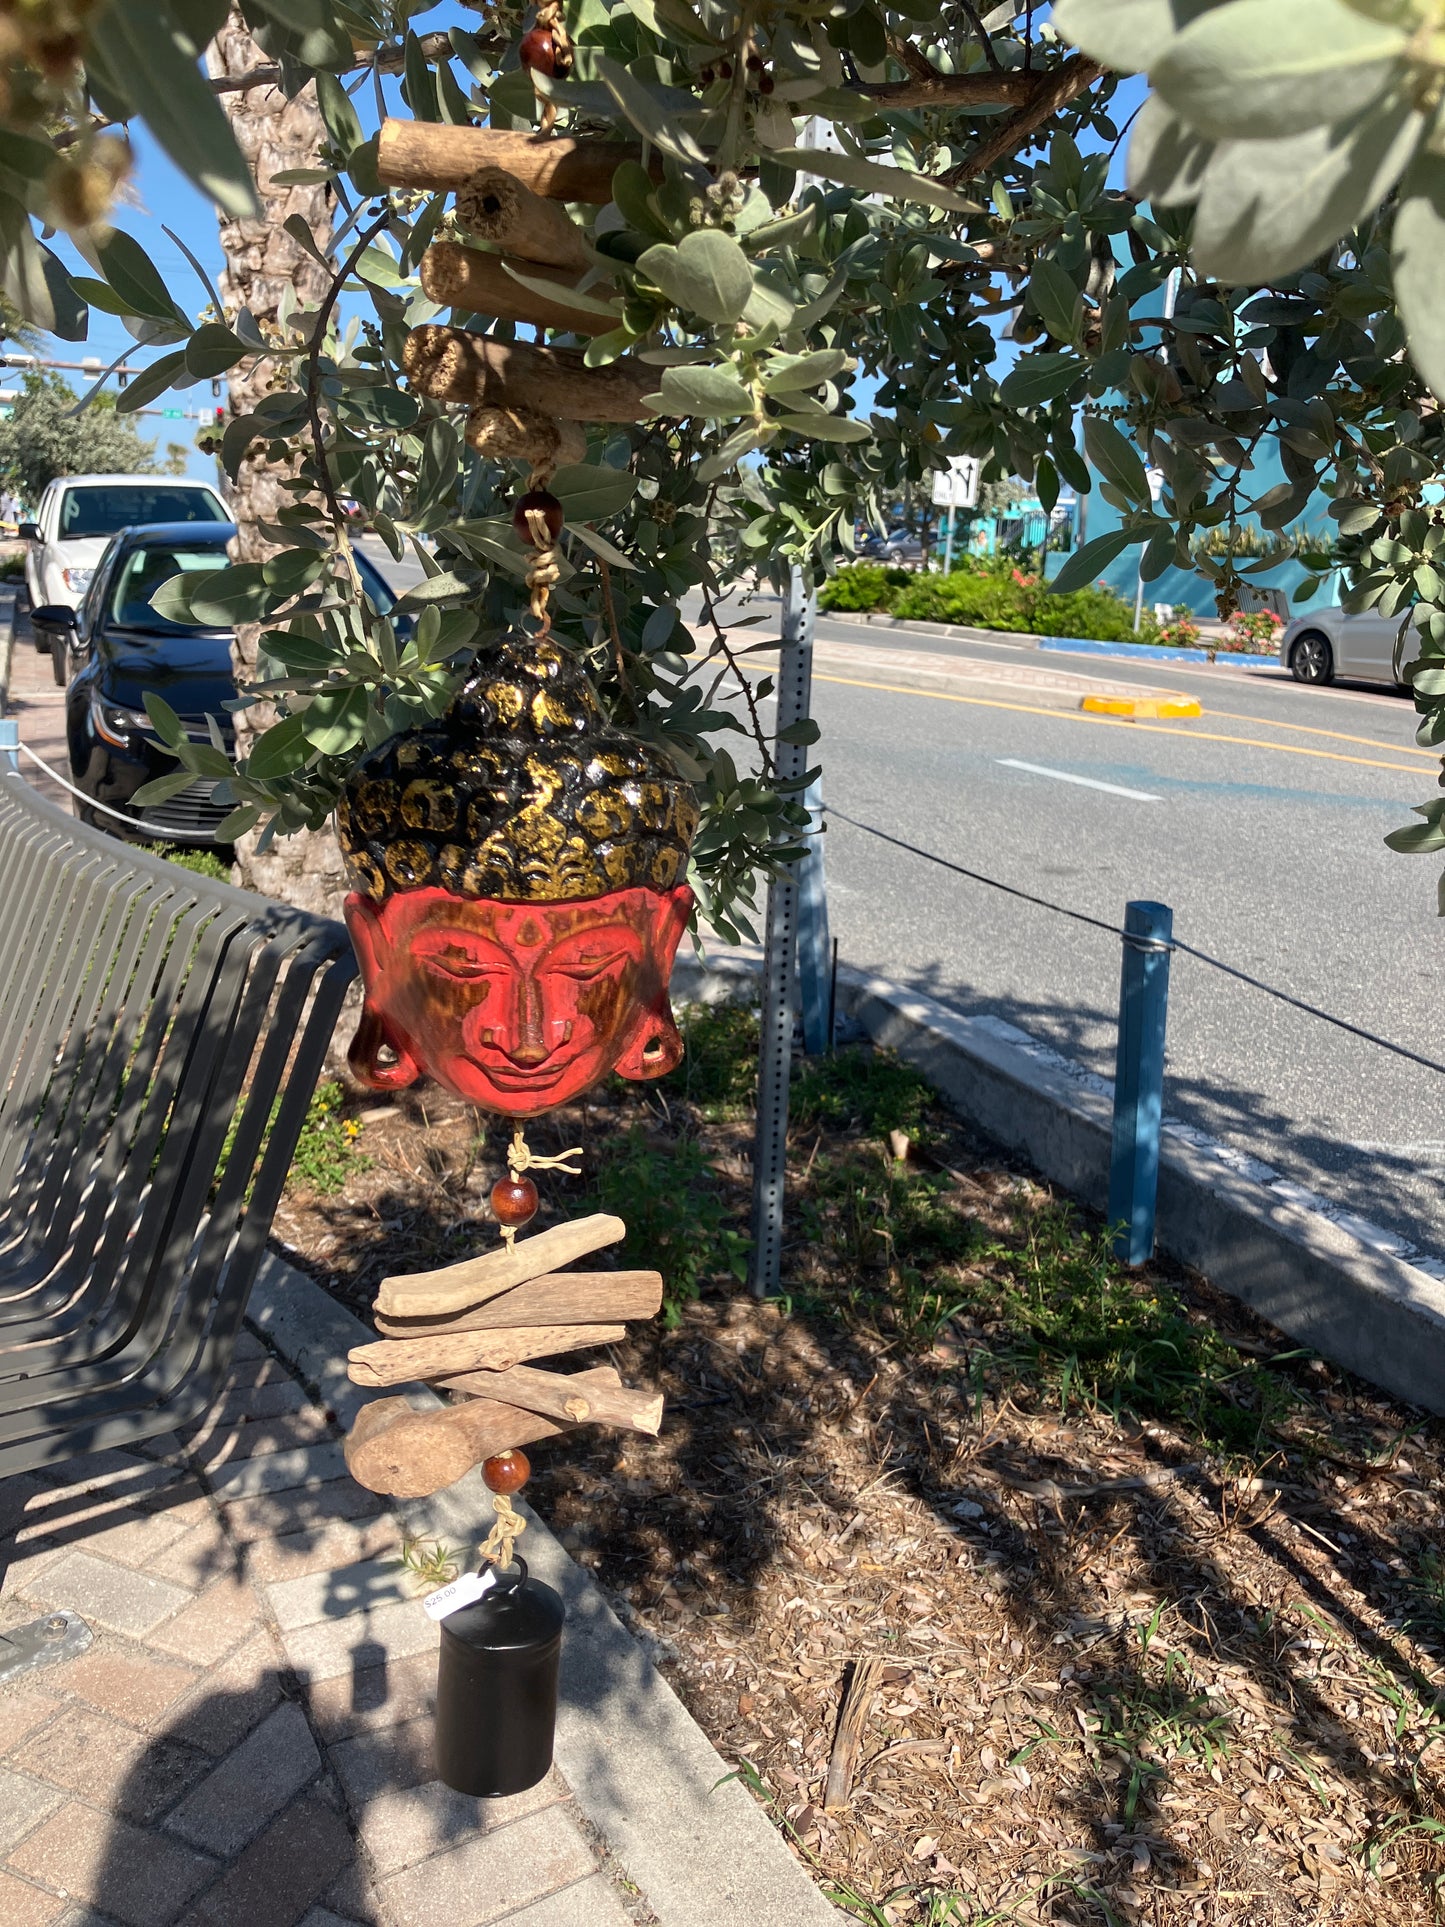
x: 262, y: 261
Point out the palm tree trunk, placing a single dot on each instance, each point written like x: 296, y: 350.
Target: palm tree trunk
x: 262, y: 261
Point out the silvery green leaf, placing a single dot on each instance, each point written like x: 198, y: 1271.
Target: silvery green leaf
x: 706, y: 273
x: 1266, y: 69
x: 1116, y: 458
x: 767, y: 307
x: 1056, y: 299
x: 1084, y: 564
x: 590, y: 494
x: 785, y: 372
x: 1268, y: 207
x: 827, y: 428
x: 1166, y: 159
x: 851, y: 170
x: 648, y: 115
x: 554, y: 291
x: 600, y: 546
x: 1419, y: 265
x: 1127, y: 35
x: 701, y: 391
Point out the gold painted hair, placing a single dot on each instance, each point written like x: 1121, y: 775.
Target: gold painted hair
x: 521, y: 792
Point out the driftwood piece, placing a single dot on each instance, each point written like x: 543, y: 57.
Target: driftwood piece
x: 526, y: 435
x: 843, y: 1762
x: 408, y: 1454
x: 561, y: 1395
x: 458, y: 277
x: 396, y: 1361
x: 448, y: 364
x: 435, y: 1294
x: 417, y: 153
x: 568, y: 1298
x: 494, y: 205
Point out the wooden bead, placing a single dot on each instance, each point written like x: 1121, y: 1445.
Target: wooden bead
x: 514, y: 1201
x: 544, y: 502
x: 539, y: 50
x: 508, y: 1472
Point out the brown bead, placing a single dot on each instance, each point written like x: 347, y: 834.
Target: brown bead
x: 508, y: 1472
x: 545, y: 503
x: 514, y: 1201
x: 539, y: 50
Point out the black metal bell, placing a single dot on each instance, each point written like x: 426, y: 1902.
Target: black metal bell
x: 497, y: 1688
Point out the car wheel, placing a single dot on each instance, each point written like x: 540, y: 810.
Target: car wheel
x: 1312, y: 659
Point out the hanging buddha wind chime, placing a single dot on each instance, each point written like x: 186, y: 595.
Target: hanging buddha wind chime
x: 519, y: 867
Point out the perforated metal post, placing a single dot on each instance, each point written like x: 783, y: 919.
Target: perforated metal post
x: 770, y: 1147
x: 815, y: 949
x: 1139, y: 1078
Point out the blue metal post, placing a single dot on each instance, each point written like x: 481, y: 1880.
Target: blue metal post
x: 9, y: 743
x: 1139, y: 1078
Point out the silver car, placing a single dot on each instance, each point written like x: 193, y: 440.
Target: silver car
x: 1328, y: 643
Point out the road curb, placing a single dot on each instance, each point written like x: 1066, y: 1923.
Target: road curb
x: 1053, y: 645
x: 641, y: 1768
x: 1158, y: 706
x: 1327, y: 1280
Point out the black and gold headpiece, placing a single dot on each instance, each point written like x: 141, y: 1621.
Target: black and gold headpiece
x: 522, y: 792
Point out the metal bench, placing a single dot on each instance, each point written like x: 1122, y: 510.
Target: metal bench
x: 160, y: 1038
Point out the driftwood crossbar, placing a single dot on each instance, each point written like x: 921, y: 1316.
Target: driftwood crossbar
x: 160, y: 1039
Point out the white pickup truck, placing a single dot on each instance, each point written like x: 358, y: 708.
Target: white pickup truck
x: 78, y: 515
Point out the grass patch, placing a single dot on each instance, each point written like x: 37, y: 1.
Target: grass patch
x: 327, y: 1154
x: 676, y: 1221
x: 201, y: 862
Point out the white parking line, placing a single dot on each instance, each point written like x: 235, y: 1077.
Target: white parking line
x: 1088, y: 782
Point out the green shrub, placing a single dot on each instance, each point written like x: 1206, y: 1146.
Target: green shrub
x: 858, y: 1086
x: 1005, y: 598
x: 202, y: 862
x: 719, y: 1070
x: 668, y: 1196
x: 862, y: 586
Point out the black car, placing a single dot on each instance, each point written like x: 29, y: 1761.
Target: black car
x: 121, y: 648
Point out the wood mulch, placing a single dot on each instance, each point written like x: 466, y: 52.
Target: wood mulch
x: 1127, y: 1675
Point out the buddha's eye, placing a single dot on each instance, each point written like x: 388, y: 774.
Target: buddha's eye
x: 455, y: 960
x: 583, y: 970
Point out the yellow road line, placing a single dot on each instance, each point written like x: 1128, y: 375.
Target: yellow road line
x: 1338, y: 735
x: 1119, y: 722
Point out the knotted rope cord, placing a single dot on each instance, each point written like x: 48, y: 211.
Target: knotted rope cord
x: 502, y: 1539
x: 549, y: 18
x: 545, y: 567
x: 521, y: 1157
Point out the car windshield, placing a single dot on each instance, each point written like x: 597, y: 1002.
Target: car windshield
x: 101, y: 511
x: 142, y: 573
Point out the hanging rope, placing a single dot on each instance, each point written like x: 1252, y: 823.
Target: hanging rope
x: 544, y: 568
x: 501, y: 1541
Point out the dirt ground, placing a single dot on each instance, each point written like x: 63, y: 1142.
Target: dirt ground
x: 1159, y: 1600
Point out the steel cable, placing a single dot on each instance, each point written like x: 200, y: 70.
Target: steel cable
x: 1148, y: 943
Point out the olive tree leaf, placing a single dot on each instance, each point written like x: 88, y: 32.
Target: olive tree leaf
x: 148, y: 59
x: 1116, y: 458
x: 701, y: 391
x: 651, y: 117
x: 335, y: 720
x: 592, y: 494
x: 1271, y: 68
x: 1084, y: 564
x: 166, y: 371
x: 1056, y: 299
x: 212, y: 349
x: 1127, y: 35
x: 599, y: 545
x: 1167, y: 160
x: 894, y: 183
x: 1268, y: 207
x: 282, y: 749
x: 129, y: 270
x: 706, y: 273
x: 1419, y: 265
x: 827, y: 428
x: 338, y: 114
x: 784, y: 373
x: 1039, y: 378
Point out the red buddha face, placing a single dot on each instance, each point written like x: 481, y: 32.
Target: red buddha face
x: 518, y: 1007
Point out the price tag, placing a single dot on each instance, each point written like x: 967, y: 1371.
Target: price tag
x: 465, y: 1591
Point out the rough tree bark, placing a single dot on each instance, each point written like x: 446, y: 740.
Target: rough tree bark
x: 262, y: 261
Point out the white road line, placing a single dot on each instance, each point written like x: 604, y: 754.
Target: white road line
x: 1063, y: 776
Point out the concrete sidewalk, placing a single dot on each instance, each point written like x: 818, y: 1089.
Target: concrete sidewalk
x: 247, y: 1742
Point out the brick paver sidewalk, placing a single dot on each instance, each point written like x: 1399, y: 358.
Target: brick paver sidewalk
x: 246, y: 1743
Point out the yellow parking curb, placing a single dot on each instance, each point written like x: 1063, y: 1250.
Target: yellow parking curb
x: 1141, y: 705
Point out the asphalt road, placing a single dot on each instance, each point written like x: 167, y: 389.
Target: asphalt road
x: 1260, y: 824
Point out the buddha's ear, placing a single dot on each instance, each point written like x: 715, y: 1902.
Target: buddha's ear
x: 365, y: 1059
x: 373, y: 1035
x: 655, y: 1047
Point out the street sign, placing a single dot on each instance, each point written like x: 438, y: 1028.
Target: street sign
x: 957, y: 486
x: 172, y: 414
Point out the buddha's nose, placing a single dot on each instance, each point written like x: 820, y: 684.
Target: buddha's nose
x: 527, y: 1047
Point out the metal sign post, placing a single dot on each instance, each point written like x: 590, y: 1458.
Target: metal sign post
x: 815, y: 950
x: 1139, y: 1079
x: 770, y: 1146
